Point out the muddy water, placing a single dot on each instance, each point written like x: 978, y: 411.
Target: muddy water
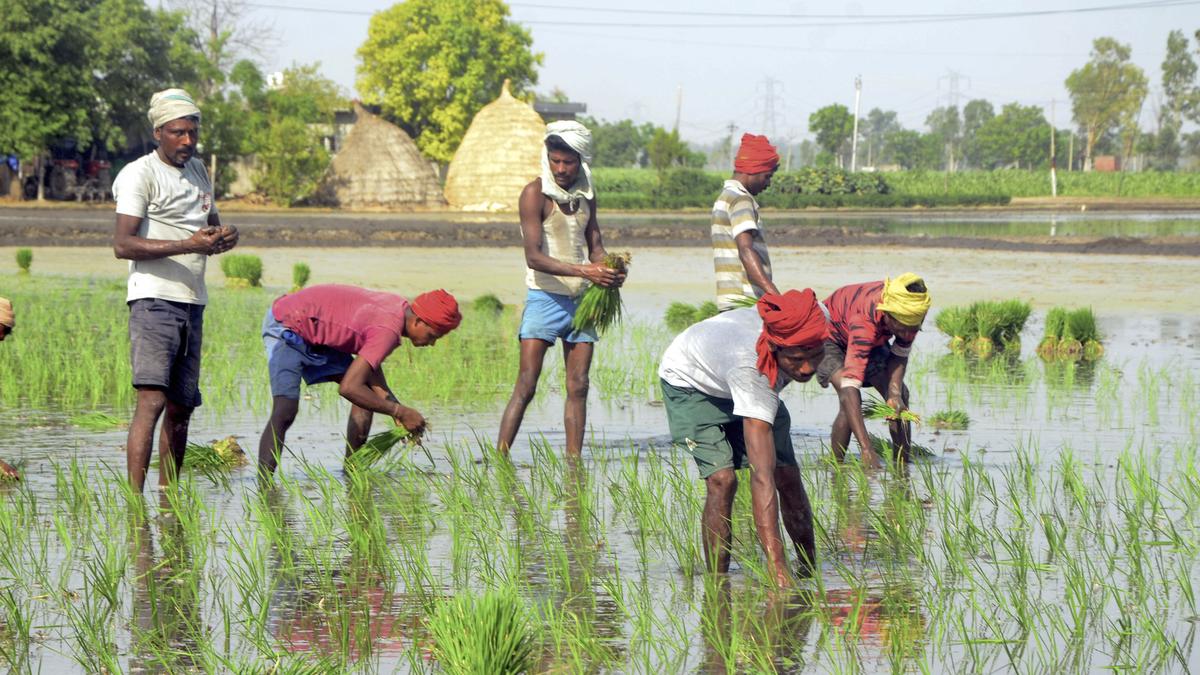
x: 1143, y: 392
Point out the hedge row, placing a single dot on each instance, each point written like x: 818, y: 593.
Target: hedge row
x: 644, y: 201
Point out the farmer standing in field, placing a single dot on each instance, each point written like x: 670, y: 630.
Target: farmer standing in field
x: 6, y: 325
x: 739, y: 250
x: 721, y: 380
x: 563, y: 254
x: 862, y: 320
x: 316, y: 333
x: 167, y: 226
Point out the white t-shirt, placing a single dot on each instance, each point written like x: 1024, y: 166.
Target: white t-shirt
x: 173, y: 204
x: 717, y: 357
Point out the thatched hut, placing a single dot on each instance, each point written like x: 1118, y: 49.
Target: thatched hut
x: 379, y: 165
x: 500, y: 153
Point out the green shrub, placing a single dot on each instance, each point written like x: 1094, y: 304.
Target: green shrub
x: 488, y: 634
x: 488, y: 304
x: 24, y: 259
x: 300, y: 274
x: 293, y: 162
x: 242, y: 270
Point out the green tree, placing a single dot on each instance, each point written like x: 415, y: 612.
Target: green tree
x: 666, y: 149
x: 946, y: 124
x: 832, y: 126
x: 976, y: 113
x: 1019, y: 136
x: 879, y: 127
x: 293, y: 161
x: 1180, y: 102
x: 912, y: 150
x: 432, y: 64
x: 1106, y: 93
x: 621, y: 143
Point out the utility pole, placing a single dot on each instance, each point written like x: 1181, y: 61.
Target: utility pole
x: 854, y: 138
x: 1071, y: 152
x: 1053, y: 133
x: 678, y: 106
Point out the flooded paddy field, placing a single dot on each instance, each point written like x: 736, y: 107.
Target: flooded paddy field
x: 1059, y: 531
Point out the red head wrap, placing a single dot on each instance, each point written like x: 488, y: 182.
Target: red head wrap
x: 793, y: 319
x: 439, y: 309
x: 756, y: 155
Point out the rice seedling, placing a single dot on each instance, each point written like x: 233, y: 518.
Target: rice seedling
x: 24, y: 260
x: 955, y: 420
x: 958, y: 324
x: 600, y: 308
x: 488, y: 304
x: 97, y: 421
x: 1056, y: 322
x: 300, y: 275
x: 875, y: 408
x: 885, y: 448
x: 221, y: 455
x: 679, y: 315
x: 241, y: 270
x: 488, y: 634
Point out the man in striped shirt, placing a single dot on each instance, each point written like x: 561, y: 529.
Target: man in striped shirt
x: 740, y: 256
x: 871, y: 330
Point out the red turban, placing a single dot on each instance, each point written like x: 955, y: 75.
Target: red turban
x: 439, y: 309
x: 793, y: 319
x: 756, y: 155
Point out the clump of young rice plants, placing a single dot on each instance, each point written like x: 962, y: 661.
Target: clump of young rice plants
x: 242, y: 270
x: 97, y: 421
x: 24, y: 260
x: 875, y: 408
x: 885, y: 448
x: 600, y: 308
x: 300, y: 274
x: 985, y: 326
x: 224, y: 454
x: 953, y: 420
x: 680, y: 315
x: 488, y: 303
x: 488, y: 634
x: 1071, y: 335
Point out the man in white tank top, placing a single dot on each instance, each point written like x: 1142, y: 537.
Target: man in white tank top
x: 167, y: 226
x: 564, y: 253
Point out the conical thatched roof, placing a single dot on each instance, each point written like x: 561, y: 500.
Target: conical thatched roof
x: 379, y: 165
x: 500, y: 153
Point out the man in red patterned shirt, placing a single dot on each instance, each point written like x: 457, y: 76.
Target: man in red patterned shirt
x: 871, y: 330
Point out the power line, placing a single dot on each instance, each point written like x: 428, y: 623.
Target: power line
x: 735, y: 20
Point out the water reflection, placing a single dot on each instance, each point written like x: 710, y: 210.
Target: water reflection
x: 167, y: 628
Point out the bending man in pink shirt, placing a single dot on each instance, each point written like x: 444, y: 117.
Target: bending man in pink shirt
x: 315, y: 334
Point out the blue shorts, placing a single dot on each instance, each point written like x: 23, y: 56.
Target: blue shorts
x: 548, y: 317
x: 290, y: 358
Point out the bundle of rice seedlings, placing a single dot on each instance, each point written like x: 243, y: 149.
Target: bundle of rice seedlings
x: 382, y: 443
x: 988, y: 321
x: 300, y: 274
x: 488, y: 303
x: 97, y: 421
x: 1013, y: 315
x: 743, y: 301
x: 489, y: 634
x: 241, y: 271
x: 885, y: 449
x: 1056, y: 321
x: 706, y: 310
x: 1082, y: 323
x: 679, y: 315
x: 221, y: 455
x: 958, y: 324
x: 24, y: 259
x: 600, y: 308
x: 950, y: 419
x: 875, y: 408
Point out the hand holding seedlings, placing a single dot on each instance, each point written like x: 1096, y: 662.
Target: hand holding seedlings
x: 602, y: 275
x: 411, y: 420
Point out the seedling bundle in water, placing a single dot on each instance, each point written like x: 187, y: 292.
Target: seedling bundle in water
x: 985, y: 326
x: 680, y: 315
x: 600, y: 307
x: 1071, y: 335
x: 877, y: 409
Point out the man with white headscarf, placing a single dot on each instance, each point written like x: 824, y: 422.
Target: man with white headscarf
x: 564, y: 253
x: 7, y: 471
x: 167, y: 226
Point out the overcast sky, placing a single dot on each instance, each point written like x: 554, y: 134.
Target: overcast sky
x: 623, y: 65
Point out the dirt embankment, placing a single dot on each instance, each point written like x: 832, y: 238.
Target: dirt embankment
x: 93, y: 227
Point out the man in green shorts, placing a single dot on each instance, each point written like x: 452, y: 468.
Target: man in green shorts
x: 721, y: 380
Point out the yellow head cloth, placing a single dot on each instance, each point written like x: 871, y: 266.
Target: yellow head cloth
x: 905, y: 306
x: 6, y: 312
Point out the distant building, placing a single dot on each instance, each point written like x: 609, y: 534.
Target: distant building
x: 1107, y: 163
x: 554, y: 112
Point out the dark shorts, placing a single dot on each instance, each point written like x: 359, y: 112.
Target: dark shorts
x: 164, y: 347
x: 706, y: 427
x: 835, y: 358
x: 290, y: 358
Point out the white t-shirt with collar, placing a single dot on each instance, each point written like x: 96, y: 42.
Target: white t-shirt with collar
x: 173, y: 204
